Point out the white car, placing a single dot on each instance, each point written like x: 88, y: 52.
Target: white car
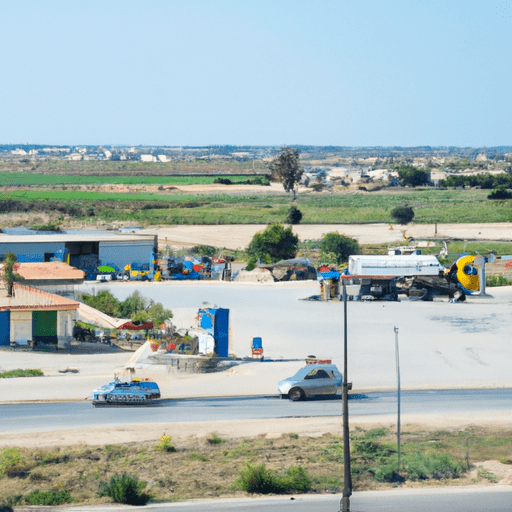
x: 312, y: 380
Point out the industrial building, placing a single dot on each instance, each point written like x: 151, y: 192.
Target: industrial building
x: 84, y: 251
x: 32, y: 315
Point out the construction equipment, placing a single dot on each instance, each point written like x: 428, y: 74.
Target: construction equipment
x: 138, y: 271
x: 385, y: 277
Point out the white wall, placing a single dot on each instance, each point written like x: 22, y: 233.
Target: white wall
x: 21, y: 325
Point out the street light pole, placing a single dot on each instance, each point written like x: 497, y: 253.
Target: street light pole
x: 398, y: 396
x: 347, y: 475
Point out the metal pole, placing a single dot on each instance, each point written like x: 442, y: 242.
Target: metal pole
x: 347, y: 476
x: 398, y: 396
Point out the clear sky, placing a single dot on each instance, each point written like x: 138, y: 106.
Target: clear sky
x: 256, y: 72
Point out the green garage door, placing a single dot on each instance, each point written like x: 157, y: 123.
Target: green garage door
x: 44, y: 326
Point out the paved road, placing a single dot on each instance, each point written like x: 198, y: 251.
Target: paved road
x: 75, y: 415
x: 425, y: 500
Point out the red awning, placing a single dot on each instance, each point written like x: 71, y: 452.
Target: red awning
x: 130, y: 326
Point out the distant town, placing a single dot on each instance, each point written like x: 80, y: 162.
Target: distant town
x: 337, y: 154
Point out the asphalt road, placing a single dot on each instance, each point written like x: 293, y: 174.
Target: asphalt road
x: 424, y: 500
x: 37, y: 417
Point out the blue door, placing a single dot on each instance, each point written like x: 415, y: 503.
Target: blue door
x: 5, y: 327
x: 221, y: 332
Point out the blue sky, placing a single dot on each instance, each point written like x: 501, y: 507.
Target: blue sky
x: 256, y: 72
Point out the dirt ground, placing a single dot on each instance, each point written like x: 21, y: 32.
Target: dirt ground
x: 239, y: 236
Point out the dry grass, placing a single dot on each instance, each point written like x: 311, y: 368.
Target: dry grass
x: 207, y: 467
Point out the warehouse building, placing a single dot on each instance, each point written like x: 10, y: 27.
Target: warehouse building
x: 35, y: 316
x: 84, y: 251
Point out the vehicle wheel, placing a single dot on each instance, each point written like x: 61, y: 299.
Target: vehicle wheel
x: 295, y: 394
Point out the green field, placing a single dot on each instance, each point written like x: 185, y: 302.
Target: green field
x: 25, y: 179
x: 174, y: 207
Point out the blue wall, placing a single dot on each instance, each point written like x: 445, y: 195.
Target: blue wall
x: 5, y: 327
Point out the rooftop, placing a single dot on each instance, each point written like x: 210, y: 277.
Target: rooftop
x: 25, y: 297
x: 50, y: 270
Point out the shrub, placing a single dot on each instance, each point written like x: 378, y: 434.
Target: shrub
x: 420, y: 466
x: 205, y: 250
x: 6, y: 508
x: 125, y: 489
x: 500, y: 193
x: 21, y: 373
x: 402, y: 214
x: 215, y: 439
x: 9, y: 458
x: 165, y: 444
x: 296, y: 479
x: 273, y: 244
x: 48, y: 498
x: 294, y: 215
x: 493, y: 281
x: 258, y: 479
x: 223, y: 181
x: 339, y: 247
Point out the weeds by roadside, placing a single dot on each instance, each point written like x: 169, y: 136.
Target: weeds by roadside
x: 21, y: 373
x: 200, y: 468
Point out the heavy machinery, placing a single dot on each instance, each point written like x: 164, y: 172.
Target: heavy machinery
x: 136, y: 392
x: 385, y: 277
x: 138, y: 271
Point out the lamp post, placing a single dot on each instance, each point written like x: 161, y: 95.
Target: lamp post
x: 398, y: 396
x: 347, y: 476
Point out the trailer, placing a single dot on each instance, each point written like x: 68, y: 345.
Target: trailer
x: 419, y: 277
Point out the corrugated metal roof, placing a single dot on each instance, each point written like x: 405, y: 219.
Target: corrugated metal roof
x: 25, y: 297
x: 63, y: 237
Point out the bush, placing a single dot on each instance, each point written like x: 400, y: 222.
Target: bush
x: 204, y: 250
x: 500, y: 193
x: 339, y: 247
x: 420, y: 466
x: 48, y: 498
x: 165, y: 444
x: 497, y: 281
x: 125, y: 489
x: 223, y: 181
x: 258, y: 479
x: 273, y: 244
x: 21, y: 373
x: 402, y: 214
x: 6, y: 508
x: 9, y: 458
x: 294, y: 215
x: 215, y: 439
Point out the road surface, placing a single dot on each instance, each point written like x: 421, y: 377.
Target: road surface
x: 39, y: 417
x: 451, y: 499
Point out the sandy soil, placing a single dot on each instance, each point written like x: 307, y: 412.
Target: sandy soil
x: 270, y: 428
x: 240, y: 235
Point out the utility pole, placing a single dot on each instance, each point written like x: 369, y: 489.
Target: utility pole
x: 398, y: 396
x: 347, y: 475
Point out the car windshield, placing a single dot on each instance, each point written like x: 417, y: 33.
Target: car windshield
x: 317, y: 374
x: 304, y: 373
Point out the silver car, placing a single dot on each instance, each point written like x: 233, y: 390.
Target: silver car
x: 312, y: 380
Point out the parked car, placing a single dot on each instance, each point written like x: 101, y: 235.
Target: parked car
x: 136, y: 392
x: 312, y: 380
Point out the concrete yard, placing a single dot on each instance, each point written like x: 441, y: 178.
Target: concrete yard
x: 442, y: 344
